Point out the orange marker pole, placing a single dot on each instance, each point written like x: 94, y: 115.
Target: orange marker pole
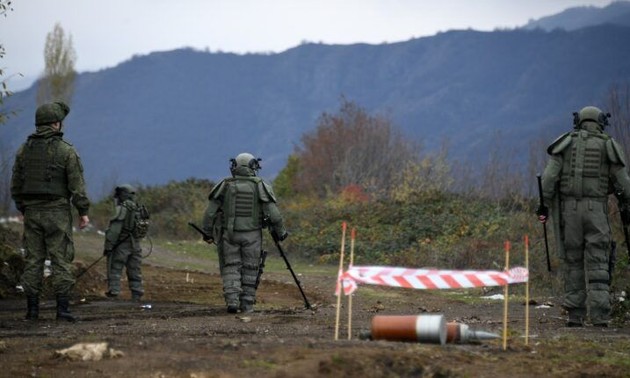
x: 505, y: 300
x: 527, y: 291
x: 353, y: 234
x: 339, y: 283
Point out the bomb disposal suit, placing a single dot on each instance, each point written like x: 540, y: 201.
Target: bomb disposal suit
x: 122, y: 245
x: 585, y: 166
x: 244, y: 200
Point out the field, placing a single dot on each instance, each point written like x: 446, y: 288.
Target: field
x: 181, y: 328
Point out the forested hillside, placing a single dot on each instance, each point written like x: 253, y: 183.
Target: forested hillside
x: 185, y: 113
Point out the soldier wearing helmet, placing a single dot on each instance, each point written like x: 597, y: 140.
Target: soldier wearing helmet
x: 585, y: 166
x: 47, y: 180
x: 242, y: 201
x: 122, y: 245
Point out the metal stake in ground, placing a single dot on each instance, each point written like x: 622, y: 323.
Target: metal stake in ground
x: 352, y: 236
x: 339, y: 281
x: 527, y: 291
x: 506, y: 294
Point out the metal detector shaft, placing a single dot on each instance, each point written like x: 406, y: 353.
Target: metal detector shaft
x: 206, y: 237
x: 540, y: 194
x: 90, y: 267
x: 286, y: 261
x: 101, y: 258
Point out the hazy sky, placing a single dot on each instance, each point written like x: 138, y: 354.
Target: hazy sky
x: 105, y: 33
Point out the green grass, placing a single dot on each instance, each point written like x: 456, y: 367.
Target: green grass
x: 192, y: 248
x: 268, y: 365
x: 196, y: 255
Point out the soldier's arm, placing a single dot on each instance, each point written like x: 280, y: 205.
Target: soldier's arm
x: 621, y: 180
x: 270, y: 209
x: 275, y: 218
x: 76, y: 184
x: 618, y: 168
x: 116, y: 223
x: 550, y: 177
x: 16, y: 182
x: 215, y: 199
x: 209, y: 216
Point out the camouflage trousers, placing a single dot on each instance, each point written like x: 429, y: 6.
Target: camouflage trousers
x: 48, y: 235
x: 128, y: 255
x: 587, y: 242
x: 241, y: 256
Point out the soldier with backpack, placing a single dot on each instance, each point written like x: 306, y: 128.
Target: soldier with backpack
x: 244, y: 200
x: 47, y: 181
x: 122, y: 242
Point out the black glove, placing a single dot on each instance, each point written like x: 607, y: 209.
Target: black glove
x: 106, y: 252
x: 208, y: 239
x: 275, y: 236
x: 542, y: 212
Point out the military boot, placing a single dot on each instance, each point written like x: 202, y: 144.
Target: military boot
x: 136, y: 297
x: 63, y: 312
x: 232, y: 302
x: 600, y: 320
x: 32, y: 307
x: 232, y: 308
x: 110, y: 294
x: 247, y: 307
x: 576, y: 319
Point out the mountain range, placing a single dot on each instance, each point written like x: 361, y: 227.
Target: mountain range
x: 184, y: 113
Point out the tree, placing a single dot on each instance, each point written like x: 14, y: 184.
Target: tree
x: 57, y: 82
x: 5, y: 6
x: 431, y: 174
x: 283, y: 183
x: 352, y: 147
x: 618, y: 105
x: 5, y: 158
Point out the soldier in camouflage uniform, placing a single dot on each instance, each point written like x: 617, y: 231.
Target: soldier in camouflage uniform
x: 121, y: 247
x: 245, y: 200
x: 47, y: 178
x: 585, y: 166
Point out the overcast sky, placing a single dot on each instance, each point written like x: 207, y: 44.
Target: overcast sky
x: 105, y: 33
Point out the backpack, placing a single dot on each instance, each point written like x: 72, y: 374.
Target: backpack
x: 137, y: 220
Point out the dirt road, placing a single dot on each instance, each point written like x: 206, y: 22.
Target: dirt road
x: 181, y: 329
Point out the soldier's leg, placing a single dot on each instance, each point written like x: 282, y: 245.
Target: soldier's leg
x: 231, y: 273
x: 573, y: 273
x: 134, y: 274
x: 60, y: 247
x: 220, y: 255
x: 35, y: 249
x: 596, y: 255
x: 116, y: 262
x: 251, y: 248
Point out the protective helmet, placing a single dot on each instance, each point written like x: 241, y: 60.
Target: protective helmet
x: 124, y: 190
x: 50, y: 113
x: 245, y: 160
x: 591, y: 113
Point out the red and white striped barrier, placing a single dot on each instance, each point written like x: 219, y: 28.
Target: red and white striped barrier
x: 427, y: 278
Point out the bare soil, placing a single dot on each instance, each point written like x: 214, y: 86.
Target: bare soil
x: 182, y: 329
